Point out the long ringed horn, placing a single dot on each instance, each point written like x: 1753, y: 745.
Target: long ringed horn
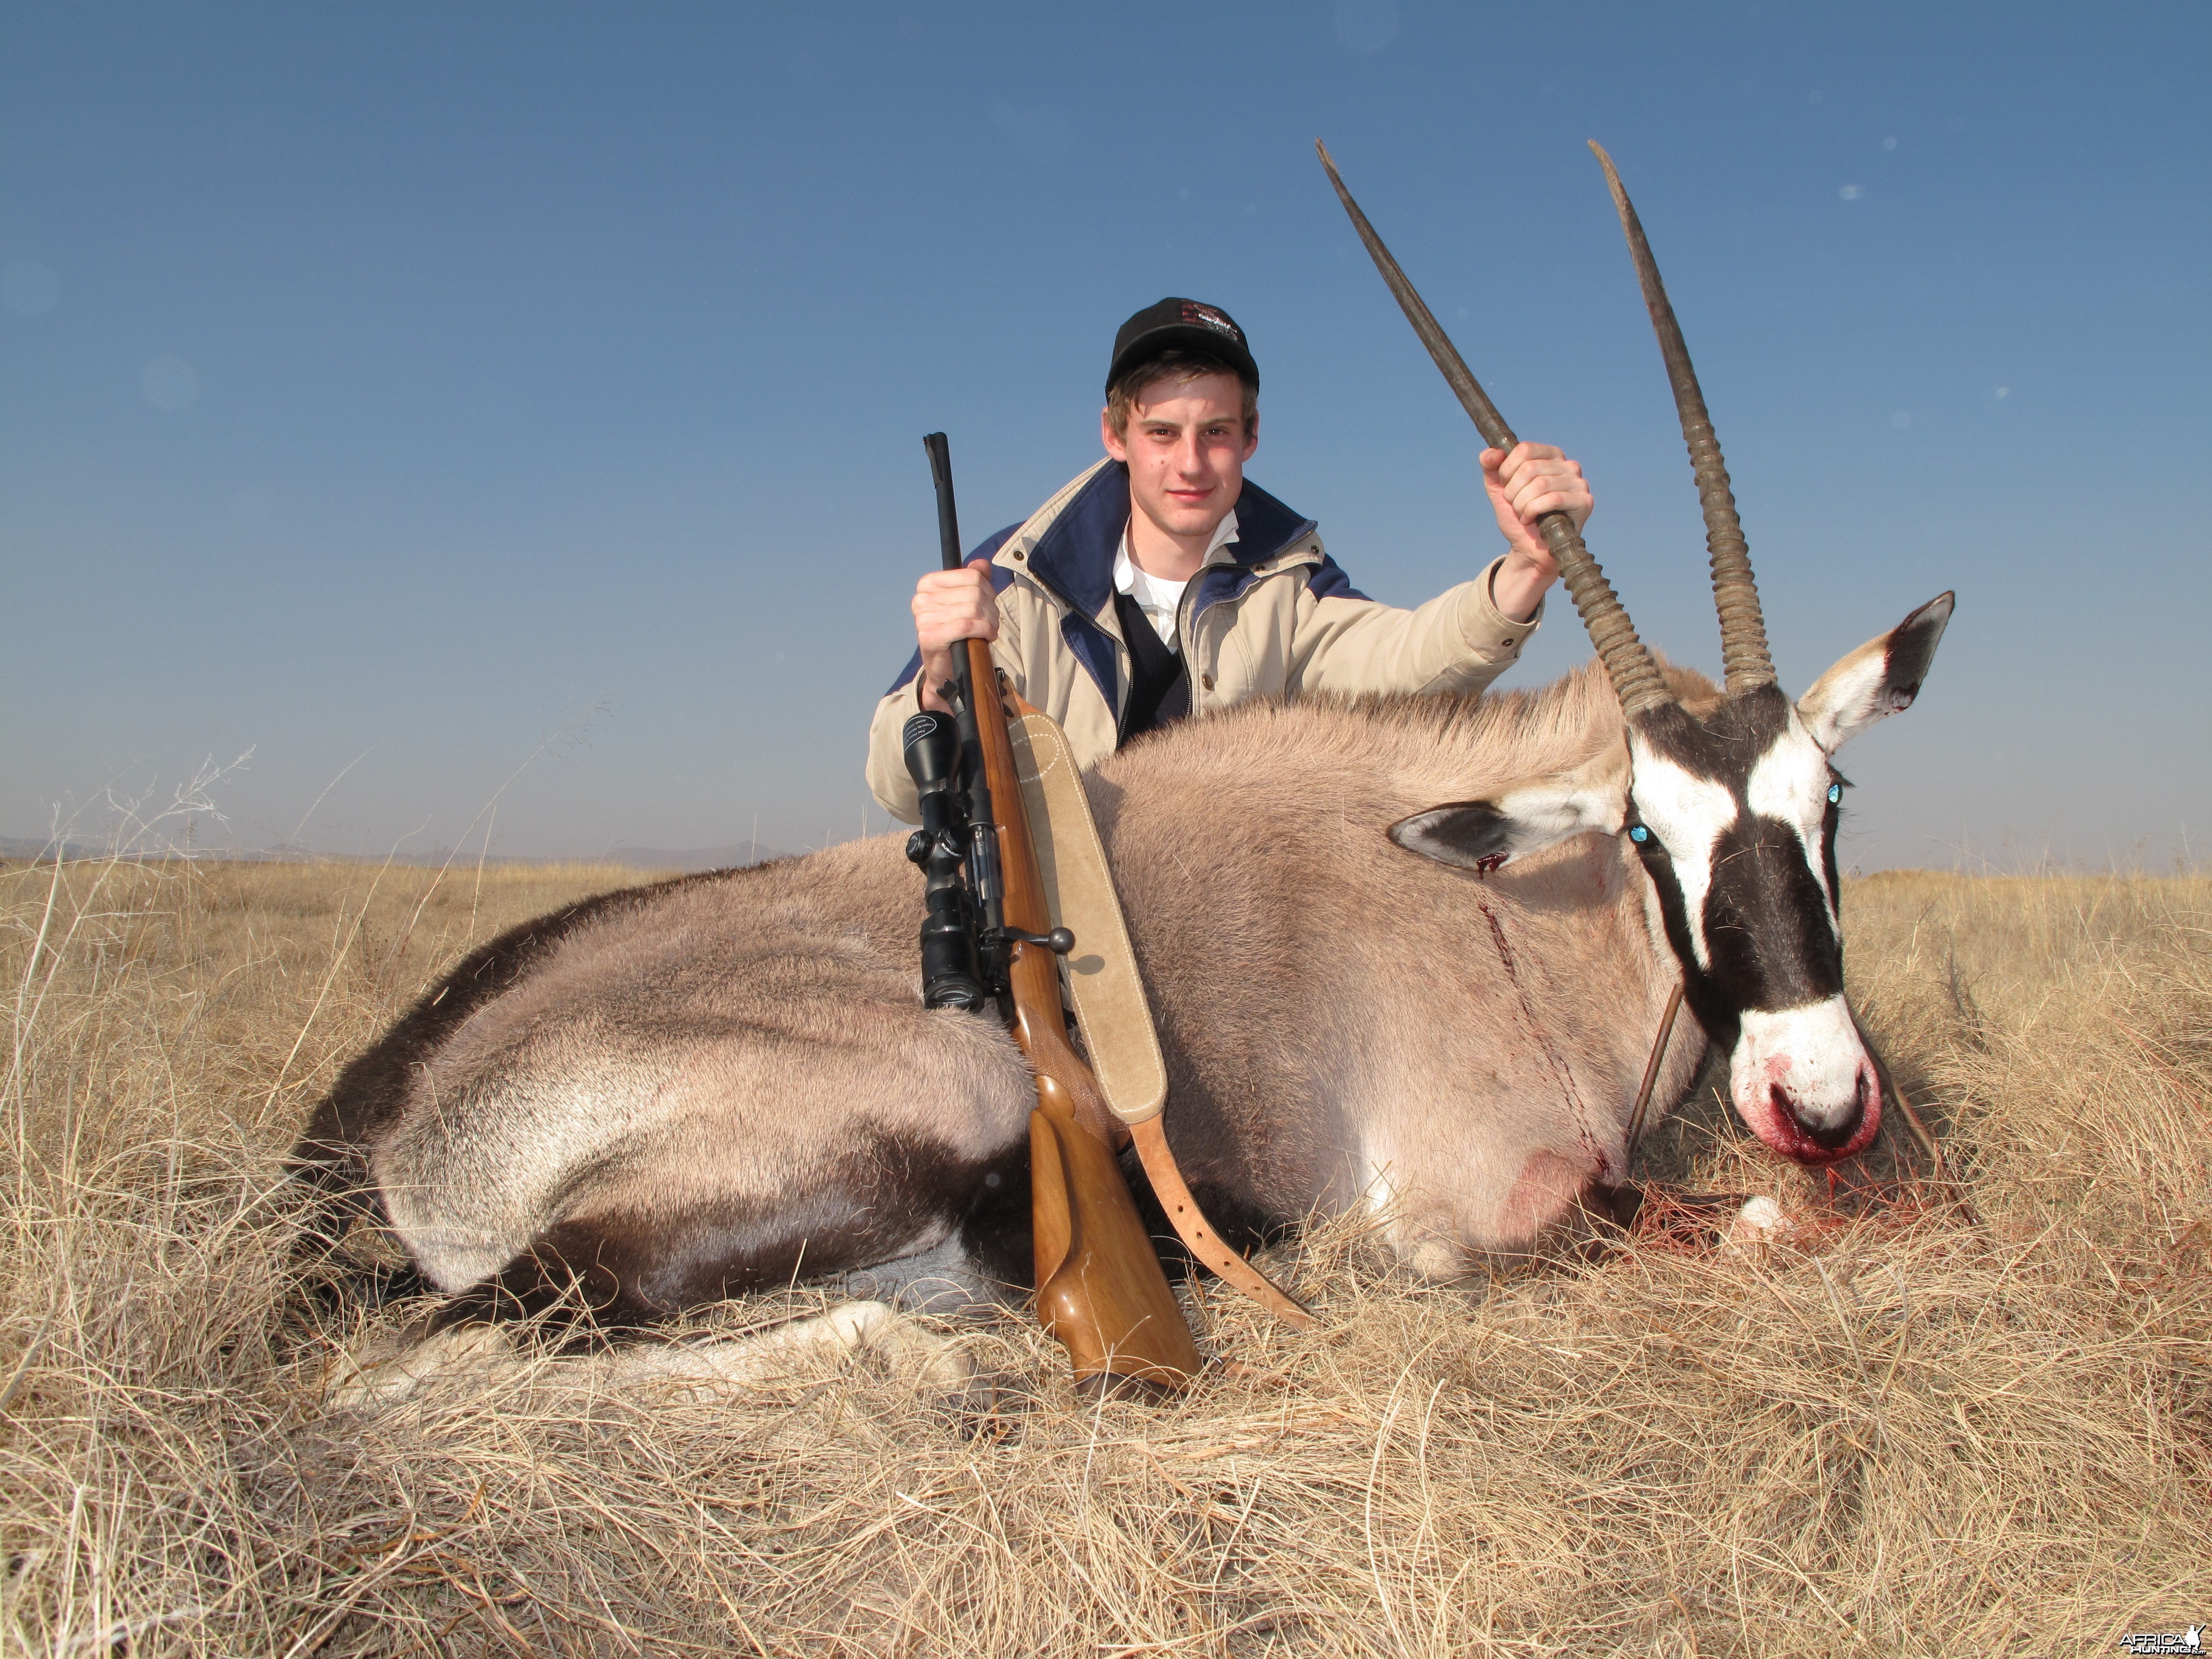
x: 1635, y: 679
x: 1744, y: 656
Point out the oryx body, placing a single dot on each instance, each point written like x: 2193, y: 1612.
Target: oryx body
x: 718, y: 1083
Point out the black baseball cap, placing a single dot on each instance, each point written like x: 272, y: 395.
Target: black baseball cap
x: 1181, y: 326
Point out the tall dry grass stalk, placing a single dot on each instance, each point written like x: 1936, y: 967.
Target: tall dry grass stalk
x: 1903, y: 1430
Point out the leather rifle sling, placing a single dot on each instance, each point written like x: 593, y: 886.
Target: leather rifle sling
x: 1118, y: 1035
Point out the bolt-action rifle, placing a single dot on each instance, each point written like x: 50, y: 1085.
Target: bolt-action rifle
x: 988, y: 941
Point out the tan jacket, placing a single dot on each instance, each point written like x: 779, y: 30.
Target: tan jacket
x: 1269, y: 614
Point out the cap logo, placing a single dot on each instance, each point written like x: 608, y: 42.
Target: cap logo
x: 1206, y: 317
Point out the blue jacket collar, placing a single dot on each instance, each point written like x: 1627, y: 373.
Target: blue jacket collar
x: 1074, y: 557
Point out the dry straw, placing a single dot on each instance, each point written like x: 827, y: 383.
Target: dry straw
x: 1901, y: 1430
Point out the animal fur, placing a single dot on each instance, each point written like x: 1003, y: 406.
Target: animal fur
x: 669, y: 1094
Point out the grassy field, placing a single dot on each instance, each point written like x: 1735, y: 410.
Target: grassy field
x: 1909, y: 1427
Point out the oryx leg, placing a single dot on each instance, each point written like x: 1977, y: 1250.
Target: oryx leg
x: 902, y: 1225
x: 481, y: 1355
x: 629, y: 1207
x: 1723, y: 1220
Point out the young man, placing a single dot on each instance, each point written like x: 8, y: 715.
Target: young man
x: 1161, y: 584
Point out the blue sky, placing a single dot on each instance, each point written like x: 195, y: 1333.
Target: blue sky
x: 523, y: 403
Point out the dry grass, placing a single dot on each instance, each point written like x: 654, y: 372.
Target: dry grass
x: 1906, y: 1430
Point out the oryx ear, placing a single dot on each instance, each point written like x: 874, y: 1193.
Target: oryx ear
x: 1880, y: 678
x: 1523, y: 817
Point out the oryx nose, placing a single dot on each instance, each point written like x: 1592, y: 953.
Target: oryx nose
x: 1838, y: 1130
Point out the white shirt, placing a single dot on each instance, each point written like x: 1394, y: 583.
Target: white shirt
x: 1159, y: 600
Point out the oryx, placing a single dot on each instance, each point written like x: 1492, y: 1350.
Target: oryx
x: 1405, y: 952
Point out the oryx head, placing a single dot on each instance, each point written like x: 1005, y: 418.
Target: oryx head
x: 1732, y: 810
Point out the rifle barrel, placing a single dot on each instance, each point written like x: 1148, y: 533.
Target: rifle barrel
x: 948, y: 515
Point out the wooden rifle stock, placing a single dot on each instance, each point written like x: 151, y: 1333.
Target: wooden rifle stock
x: 1101, y: 1292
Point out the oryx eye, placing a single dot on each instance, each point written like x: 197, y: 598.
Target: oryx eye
x: 1835, y: 795
x: 1639, y: 834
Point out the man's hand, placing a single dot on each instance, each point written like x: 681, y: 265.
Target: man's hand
x: 949, y: 606
x: 1524, y: 484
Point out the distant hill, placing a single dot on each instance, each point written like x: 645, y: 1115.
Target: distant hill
x: 685, y: 860
x: 690, y: 859
x: 22, y: 846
